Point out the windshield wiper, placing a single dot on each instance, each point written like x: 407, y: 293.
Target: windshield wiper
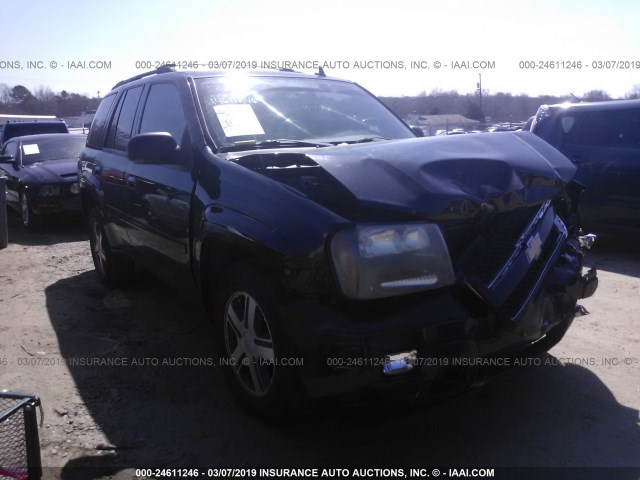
x: 280, y: 143
x: 366, y: 140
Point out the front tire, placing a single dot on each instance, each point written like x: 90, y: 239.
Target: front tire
x: 29, y: 221
x: 114, y: 270
x: 252, y: 343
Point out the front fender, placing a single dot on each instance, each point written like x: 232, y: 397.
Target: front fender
x: 226, y: 237
x: 243, y: 232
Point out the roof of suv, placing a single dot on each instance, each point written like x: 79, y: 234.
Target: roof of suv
x: 596, y: 106
x: 168, y: 70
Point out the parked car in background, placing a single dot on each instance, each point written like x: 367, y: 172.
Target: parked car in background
x: 42, y: 175
x: 337, y: 253
x: 603, y: 141
x: 21, y: 128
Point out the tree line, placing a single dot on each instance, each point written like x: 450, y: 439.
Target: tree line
x: 500, y: 107
x: 19, y: 100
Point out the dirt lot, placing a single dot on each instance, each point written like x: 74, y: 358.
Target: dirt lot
x: 581, y: 409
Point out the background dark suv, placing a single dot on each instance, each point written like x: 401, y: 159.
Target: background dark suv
x: 603, y: 141
x: 21, y: 128
x: 337, y: 253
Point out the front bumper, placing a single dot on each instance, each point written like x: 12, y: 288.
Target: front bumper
x: 453, y: 337
x: 57, y: 204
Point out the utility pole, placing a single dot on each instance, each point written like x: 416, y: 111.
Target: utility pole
x: 480, y: 92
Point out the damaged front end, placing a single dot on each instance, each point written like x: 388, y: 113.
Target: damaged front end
x: 506, y: 206
x: 526, y: 266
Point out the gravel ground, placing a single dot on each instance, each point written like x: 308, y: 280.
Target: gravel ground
x: 578, y: 408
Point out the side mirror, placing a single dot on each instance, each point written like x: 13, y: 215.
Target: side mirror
x: 6, y: 159
x: 155, y: 147
x: 418, y: 131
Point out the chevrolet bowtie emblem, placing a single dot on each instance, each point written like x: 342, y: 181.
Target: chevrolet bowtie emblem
x: 534, y: 248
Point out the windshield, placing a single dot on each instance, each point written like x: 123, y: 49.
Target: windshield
x: 65, y: 147
x: 243, y: 111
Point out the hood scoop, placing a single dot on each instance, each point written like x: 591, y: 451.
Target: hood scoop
x: 275, y: 160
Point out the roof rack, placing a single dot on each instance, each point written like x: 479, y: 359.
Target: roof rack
x: 36, y: 120
x: 169, y: 67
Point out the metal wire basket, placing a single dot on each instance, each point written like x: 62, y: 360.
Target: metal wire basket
x: 19, y: 442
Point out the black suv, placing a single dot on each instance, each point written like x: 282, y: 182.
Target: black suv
x: 603, y: 140
x: 338, y: 254
x: 20, y: 128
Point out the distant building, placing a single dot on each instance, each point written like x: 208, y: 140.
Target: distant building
x: 82, y: 121
x: 431, y: 123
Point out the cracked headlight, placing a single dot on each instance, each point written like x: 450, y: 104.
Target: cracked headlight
x: 375, y: 261
x: 49, y: 191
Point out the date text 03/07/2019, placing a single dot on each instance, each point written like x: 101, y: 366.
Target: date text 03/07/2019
x: 232, y: 64
x: 313, y: 473
x: 300, y: 65
x: 579, y: 65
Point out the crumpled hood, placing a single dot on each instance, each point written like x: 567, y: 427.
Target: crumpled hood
x: 53, y: 171
x: 438, y: 175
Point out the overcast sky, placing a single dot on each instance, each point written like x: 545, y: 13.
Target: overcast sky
x: 384, y: 37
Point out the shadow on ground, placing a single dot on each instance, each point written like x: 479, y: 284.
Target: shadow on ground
x: 176, y: 415
x: 617, y: 255
x: 49, y: 231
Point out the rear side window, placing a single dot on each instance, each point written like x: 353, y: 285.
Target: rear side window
x: 100, y: 121
x: 122, y: 123
x: 613, y: 128
x: 163, y: 112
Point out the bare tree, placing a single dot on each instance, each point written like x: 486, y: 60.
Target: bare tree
x: 634, y: 92
x: 595, y: 96
x: 5, y: 94
x: 44, y: 94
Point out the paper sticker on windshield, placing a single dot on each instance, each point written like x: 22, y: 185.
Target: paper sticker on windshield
x: 238, y: 119
x: 31, y: 149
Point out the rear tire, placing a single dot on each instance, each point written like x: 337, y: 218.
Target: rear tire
x: 113, y: 269
x: 251, y: 342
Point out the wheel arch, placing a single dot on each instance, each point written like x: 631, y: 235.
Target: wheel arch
x: 219, y: 254
x: 88, y: 201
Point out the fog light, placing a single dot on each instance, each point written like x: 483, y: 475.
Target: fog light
x: 49, y: 191
x: 75, y: 188
x: 587, y: 241
x: 399, y: 363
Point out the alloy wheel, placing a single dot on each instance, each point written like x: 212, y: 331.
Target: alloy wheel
x: 249, y: 344
x: 99, y: 252
x: 24, y: 209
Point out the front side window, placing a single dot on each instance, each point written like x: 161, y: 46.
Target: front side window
x: 163, y: 112
x: 240, y: 110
